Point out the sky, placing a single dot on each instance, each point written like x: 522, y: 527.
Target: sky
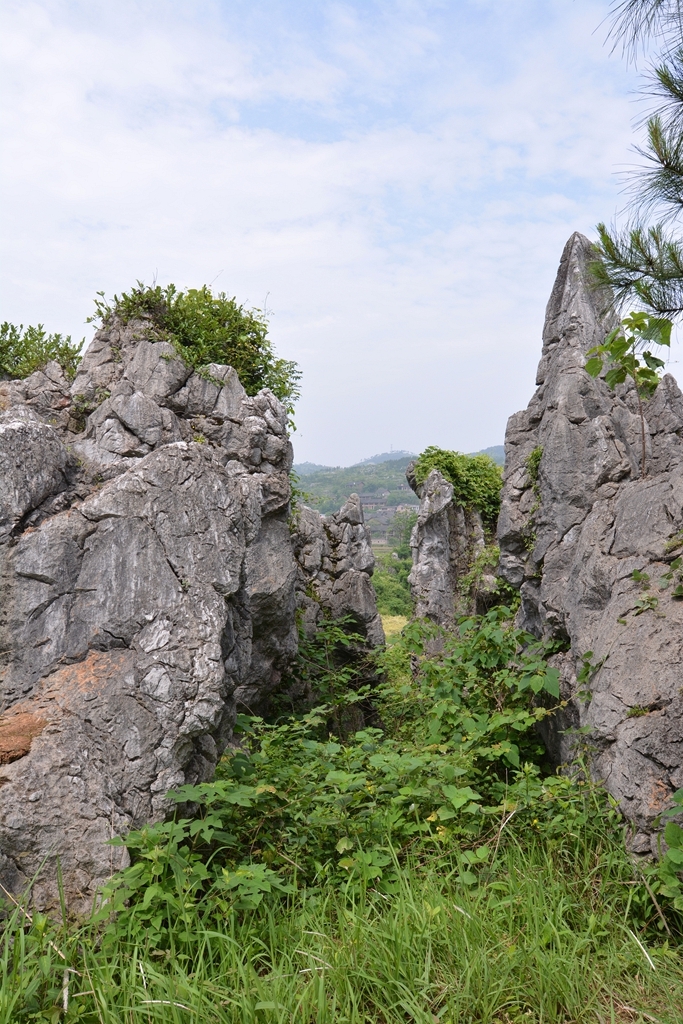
x: 394, y: 180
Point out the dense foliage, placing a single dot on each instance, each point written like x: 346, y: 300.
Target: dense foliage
x: 22, y: 352
x: 207, y: 328
x: 310, y: 808
x: 432, y: 869
x: 390, y: 580
x: 476, y: 479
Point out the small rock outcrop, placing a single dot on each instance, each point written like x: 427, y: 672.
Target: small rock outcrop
x: 335, y: 564
x: 577, y: 519
x: 446, y: 541
x: 148, y: 590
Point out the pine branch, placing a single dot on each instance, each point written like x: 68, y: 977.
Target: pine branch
x: 634, y: 21
x: 641, y: 264
x: 664, y: 184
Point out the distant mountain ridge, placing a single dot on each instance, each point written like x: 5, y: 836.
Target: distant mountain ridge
x: 496, y: 452
x: 385, y: 457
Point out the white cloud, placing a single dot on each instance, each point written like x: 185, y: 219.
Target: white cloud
x: 400, y: 190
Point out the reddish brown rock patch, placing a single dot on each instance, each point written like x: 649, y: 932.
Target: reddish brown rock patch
x: 88, y: 676
x: 17, y: 730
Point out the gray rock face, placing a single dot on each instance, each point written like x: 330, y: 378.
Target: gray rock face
x: 445, y: 542
x: 335, y: 563
x: 335, y: 559
x: 571, y: 540
x: 147, y: 590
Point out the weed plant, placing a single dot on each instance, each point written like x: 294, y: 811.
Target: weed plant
x: 431, y: 870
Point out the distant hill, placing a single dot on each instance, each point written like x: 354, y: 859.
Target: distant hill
x: 386, y: 457
x: 497, y: 453
x: 306, y: 468
x: 380, y: 484
x: 380, y: 481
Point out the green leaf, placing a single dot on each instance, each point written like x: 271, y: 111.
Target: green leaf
x: 618, y: 349
x: 344, y: 844
x: 459, y: 797
x: 673, y: 835
x: 616, y: 376
x: 468, y: 878
x: 593, y: 367
x: 552, y: 682
x: 652, y: 361
x: 512, y: 755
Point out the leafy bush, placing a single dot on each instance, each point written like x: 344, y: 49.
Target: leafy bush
x: 476, y: 479
x: 298, y: 806
x: 207, y: 328
x: 22, y: 352
x: 533, y: 462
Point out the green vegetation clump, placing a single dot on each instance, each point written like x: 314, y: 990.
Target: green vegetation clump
x: 431, y: 869
x: 476, y: 479
x: 22, y: 352
x: 390, y: 580
x: 533, y: 462
x: 392, y: 567
x: 206, y: 328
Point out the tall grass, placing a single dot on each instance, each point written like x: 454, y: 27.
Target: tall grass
x: 547, y: 936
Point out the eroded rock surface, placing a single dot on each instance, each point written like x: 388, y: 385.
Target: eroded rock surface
x: 335, y: 559
x: 335, y: 564
x: 572, y: 538
x: 147, y: 589
x: 445, y: 542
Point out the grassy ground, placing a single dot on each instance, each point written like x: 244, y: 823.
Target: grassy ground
x: 393, y: 624
x: 547, y: 939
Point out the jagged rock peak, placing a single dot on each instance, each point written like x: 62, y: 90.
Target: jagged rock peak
x: 577, y: 518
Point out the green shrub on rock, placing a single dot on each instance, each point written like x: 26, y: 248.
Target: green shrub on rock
x: 207, y: 328
x: 22, y: 352
x: 476, y: 479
